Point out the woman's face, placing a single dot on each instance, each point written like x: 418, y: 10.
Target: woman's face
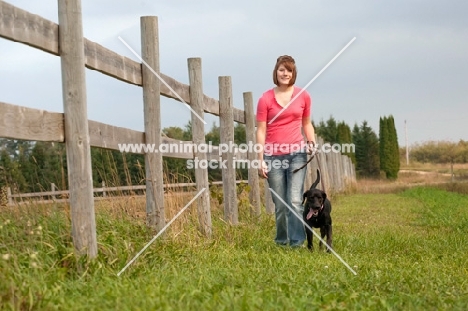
x: 284, y: 75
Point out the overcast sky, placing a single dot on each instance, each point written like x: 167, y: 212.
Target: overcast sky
x: 409, y: 59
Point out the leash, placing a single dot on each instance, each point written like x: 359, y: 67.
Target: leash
x: 321, y: 179
x: 308, y: 161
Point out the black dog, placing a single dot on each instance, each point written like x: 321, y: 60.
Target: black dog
x: 317, y: 213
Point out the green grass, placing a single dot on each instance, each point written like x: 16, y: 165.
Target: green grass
x: 409, y: 250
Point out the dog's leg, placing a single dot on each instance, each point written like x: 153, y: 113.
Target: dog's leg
x: 323, y: 233
x: 309, y: 235
x: 326, y: 231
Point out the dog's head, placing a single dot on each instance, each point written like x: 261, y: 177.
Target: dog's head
x: 314, y: 200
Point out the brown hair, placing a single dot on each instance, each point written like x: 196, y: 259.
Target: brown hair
x: 288, y: 62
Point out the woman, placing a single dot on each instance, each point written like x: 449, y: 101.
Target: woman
x: 281, y: 113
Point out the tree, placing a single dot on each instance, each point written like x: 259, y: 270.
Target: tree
x: 389, y: 150
x: 328, y: 131
x: 367, y: 150
x: 10, y: 174
x: 344, y: 136
x: 444, y: 152
x: 213, y: 135
x: 46, y: 163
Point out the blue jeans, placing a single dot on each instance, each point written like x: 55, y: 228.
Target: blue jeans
x: 289, y: 186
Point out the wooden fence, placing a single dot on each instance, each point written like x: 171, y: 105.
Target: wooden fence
x: 103, y: 192
x: 78, y: 133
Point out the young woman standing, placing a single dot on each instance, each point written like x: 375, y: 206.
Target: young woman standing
x: 283, y: 113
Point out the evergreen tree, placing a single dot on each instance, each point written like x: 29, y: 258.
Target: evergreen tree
x: 344, y: 137
x: 384, y: 142
x: 389, y: 150
x: 213, y: 135
x: 393, y: 165
x: 328, y: 131
x: 367, y: 151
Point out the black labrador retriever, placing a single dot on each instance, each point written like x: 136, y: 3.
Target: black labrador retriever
x: 317, y: 213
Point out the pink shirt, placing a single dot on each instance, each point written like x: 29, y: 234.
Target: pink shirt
x: 283, y: 135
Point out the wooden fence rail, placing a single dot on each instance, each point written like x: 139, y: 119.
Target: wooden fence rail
x: 17, y: 198
x: 79, y: 134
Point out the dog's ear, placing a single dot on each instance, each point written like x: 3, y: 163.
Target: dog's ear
x: 304, y: 197
x: 324, y: 196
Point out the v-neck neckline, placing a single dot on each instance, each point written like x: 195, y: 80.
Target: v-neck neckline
x: 289, y: 101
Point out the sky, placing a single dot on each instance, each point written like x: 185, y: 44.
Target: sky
x: 409, y: 59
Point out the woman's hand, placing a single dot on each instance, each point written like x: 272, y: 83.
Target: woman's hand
x: 311, y: 148
x: 263, y: 170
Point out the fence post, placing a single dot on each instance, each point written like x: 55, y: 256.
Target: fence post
x: 9, y: 197
x: 340, y: 172
x: 104, y: 194
x: 71, y: 50
x: 53, y: 187
x: 254, y: 195
x: 226, y: 124
x: 269, y: 204
x: 152, y: 118
x: 313, y: 166
x: 336, y: 171
x: 323, y: 167
x: 344, y: 164
x: 198, y: 138
x: 312, y: 173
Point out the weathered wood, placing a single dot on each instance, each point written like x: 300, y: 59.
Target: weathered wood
x: 98, y: 190
x: 341, y: 172
x: 324, y: 172
x: 18, y: 122
x: 254, y: 194
x: 152, y: 116
x: 312, y: 169
x: 269, y: 204
x: 76, y: 128
x: 21, y: 26
x: 104, y: 193
x: 110, y: 137
x: 333, y: 170
x: 346, y: 171
x: 184, y: 149
x: 24, y: 27
x: 52, y: 189
x: 198, y: 137
x: 111, y: 63
x: 226, y: 124
x: 238, y: 115
x: 40, y: 194
x: 9, y: 196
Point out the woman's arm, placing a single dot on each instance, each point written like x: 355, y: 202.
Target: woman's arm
x: 309, y: 130
x: 261, y: 134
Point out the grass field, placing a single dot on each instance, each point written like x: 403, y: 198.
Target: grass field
x: 410, y: 251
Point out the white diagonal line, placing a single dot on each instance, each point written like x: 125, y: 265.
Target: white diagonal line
x: 160, y: 232
x: 315, y: 233
x: 161, y: 79
x: 313, y: 79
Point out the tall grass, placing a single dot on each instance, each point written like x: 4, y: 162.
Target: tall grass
x: 409, y: 250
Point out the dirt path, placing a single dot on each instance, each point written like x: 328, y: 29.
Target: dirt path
x: 424, y: 172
